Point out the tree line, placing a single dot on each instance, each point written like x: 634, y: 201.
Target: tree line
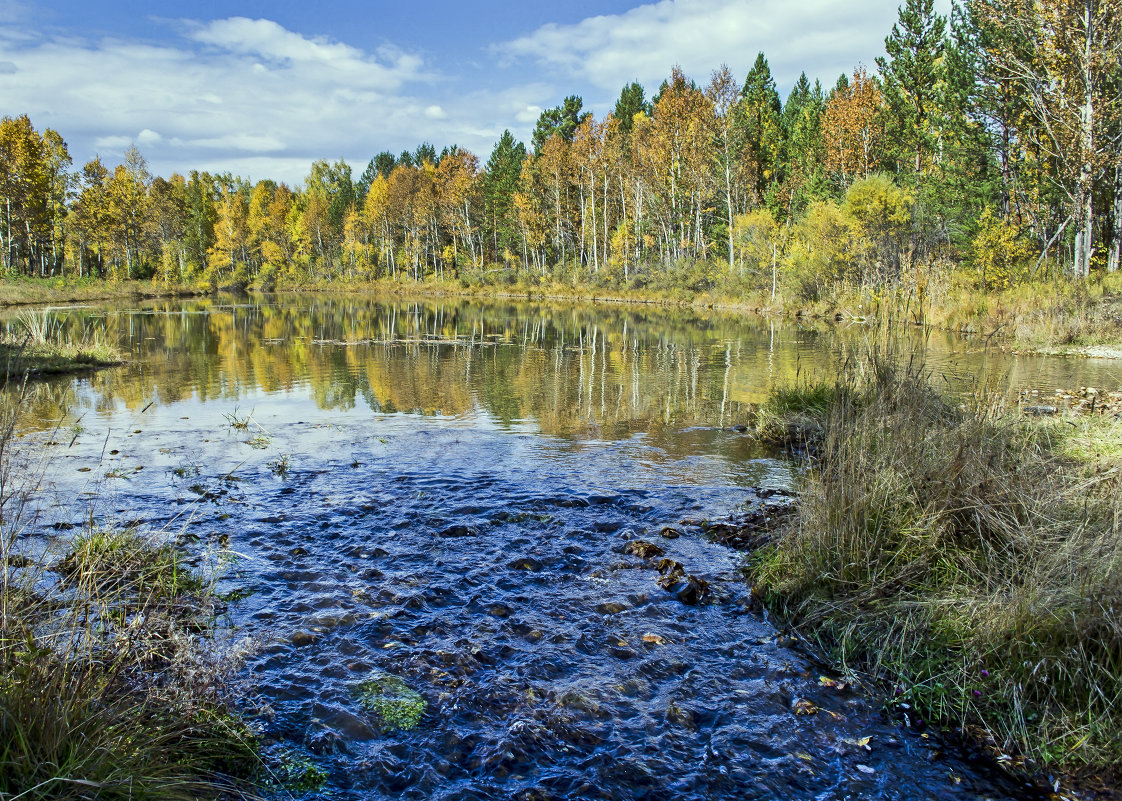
x: 991, y: 139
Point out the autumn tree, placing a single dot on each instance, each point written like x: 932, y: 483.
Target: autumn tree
x: 852, y: 129
x: 1061, y: 59
x: 723, y: 95
x: 33, y: 190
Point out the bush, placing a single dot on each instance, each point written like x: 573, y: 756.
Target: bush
x: 999, y: 252
x: 107, y: 687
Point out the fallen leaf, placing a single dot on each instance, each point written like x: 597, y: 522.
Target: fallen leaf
x: 804, y: 707
x: 653, y: 639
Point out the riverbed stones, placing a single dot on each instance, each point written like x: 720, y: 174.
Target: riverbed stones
x: 303, y: 638
x: 692, y: 591
x: 643, y: 549
x: 527, y: 563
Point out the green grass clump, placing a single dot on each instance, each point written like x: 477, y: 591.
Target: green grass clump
x: 966, y: 558
x: 388, y: 696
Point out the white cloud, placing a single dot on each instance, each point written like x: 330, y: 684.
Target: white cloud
x: 148, y: 137
x: 224, y: 92
x: 528, y: 115
x: 822, y: 37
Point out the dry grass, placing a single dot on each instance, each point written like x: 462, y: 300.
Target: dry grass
x: 39, y: 343
x: 113, y: 682
x: 966, y: 559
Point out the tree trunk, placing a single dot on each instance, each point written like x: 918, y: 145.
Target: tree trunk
x: 1114, y: 261
x: 1085, y: 212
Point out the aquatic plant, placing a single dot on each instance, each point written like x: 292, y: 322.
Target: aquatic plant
x: 397, y: 706
x: 280, y: 466
x: 294, y: 772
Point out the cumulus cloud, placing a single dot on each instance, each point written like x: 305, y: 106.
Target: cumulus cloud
x: 823, y: 37
x: 223, y: 92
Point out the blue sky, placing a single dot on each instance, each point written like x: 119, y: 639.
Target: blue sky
x: 261, y: 89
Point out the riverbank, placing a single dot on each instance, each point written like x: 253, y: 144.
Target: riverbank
x: 53, y: 291
x: 964, y: 558
x: 114, y: 681
x: 1057, y: 317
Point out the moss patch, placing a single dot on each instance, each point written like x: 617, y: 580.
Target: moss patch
x: 388, y: 696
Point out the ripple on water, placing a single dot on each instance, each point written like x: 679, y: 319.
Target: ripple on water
x: 552, y: 663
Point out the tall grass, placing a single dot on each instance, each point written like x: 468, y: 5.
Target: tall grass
x: 38, y: 341
x: 113, y: 684
x: 962, y: 557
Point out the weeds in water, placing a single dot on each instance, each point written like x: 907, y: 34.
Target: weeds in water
x: 962, y: 557
x: 260, y: 442
x: 113, y: 681
x: 238, y: 422
x: 280, y: 466
x: 397, y: 706
x: 295, y: 772
x: 43, y: 344
x: 186, y: 470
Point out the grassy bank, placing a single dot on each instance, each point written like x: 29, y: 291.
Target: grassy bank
x: 113, y: 684
x: 965, y: 557
x: 38, y: 344
x: 1055, y: 314
x: 42, y: 291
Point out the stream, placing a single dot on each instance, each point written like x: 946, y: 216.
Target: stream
x: 470, y: 506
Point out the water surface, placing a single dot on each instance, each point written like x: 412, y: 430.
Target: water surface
x: 450, y: 493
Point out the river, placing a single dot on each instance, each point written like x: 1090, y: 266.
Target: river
x: 468, y: 503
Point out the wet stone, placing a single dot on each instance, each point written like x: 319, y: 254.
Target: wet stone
x: 643, y: 549
x: 458, y: 531
x: 326, y: 741
x: 527, y: 563
x: 692, y: 591
x: 611, y: 608
x: 302, y: 638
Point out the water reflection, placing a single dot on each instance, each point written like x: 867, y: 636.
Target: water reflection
x: 572, y: 370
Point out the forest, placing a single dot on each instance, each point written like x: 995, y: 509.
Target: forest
x: 987, y: 145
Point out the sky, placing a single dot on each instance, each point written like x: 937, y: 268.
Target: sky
x: 262, y: 89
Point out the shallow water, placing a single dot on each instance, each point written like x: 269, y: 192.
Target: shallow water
x: 445, y: 492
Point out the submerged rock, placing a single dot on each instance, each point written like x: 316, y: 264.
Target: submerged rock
x: 527, y: 563
x: 692, y: 591
x: 643, y: 549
